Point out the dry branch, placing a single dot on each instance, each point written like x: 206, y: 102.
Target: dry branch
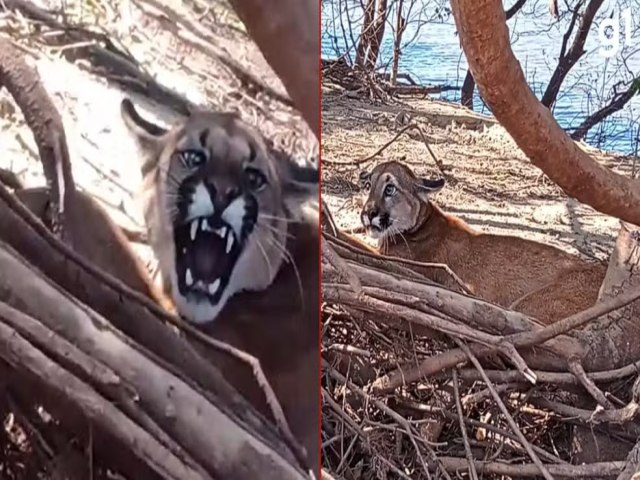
x: 16, y: 351
x: 603, y: 469
x: 392, y: 296
x: 299, y: 68
x: 46, y: 124
x: 172, y: 403
x: 108, y: 60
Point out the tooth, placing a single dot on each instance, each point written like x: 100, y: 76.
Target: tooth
x: 213, y: 287
x: 188, y: 278
x: 194, y: 229
x: 223, y: 232
x: 229, y: 243
x: 205, y: 225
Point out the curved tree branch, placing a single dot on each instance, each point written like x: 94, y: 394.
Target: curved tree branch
x: 485, y: 41
x: 293, y: 25
x: 469, y: 84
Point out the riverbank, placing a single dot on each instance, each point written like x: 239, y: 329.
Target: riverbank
x: 493, y: 185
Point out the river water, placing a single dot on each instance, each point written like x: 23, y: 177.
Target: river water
x: 434, y: 57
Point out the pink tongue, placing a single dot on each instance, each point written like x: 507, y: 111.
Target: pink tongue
x: 208, y: 259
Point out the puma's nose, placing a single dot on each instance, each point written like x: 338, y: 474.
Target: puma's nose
x: 368, y: 214
x: 223, y: 193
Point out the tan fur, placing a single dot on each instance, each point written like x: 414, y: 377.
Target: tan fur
x: 96, y: 237
x: 277, y: 323
x: 546, y: 282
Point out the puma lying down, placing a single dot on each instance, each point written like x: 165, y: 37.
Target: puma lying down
x: 539, y: 280
x: 238, y: 252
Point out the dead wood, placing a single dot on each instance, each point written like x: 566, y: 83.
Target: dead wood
x: 84, y: 368
x: 419, y: 89
x: 568, y: 351
x: 616, y: 329
x: 46, y: 125
x: 604, y: 469
x: 107, y: 59
x: 68, y: 431
x: 183, y: 24
x: 17, y: 352
x: 182, y: 411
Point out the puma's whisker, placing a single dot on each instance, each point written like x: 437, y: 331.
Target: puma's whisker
x: 280, y: 219
x: 264, y: 255
x: 273, y: 229
x: 289, y: 258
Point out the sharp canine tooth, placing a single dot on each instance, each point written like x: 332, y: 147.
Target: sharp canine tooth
x: 213, y: 287
x: 188, y: 278
x: 229, y: 243
x: 223, y: 232
x: 205, y: 225
x: 194, y: 229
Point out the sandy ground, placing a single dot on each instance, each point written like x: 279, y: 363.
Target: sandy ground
x: 493, y: 186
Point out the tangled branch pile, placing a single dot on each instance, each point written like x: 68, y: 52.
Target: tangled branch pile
x: 421, y: 379
x: 375, y: 85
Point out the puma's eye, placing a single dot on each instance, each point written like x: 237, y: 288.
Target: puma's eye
x: 390, y: 190
x: 193, y: 158
x: 255, y: 178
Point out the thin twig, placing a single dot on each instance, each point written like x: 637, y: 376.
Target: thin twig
x: 503, y: 408
x: 463, y: 428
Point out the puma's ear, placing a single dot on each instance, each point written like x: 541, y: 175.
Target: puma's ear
x: 365, y: 179
x: 426, y: 187
x: 147, y: 134
x: 300, y: 184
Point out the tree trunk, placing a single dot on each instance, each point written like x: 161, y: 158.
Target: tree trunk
x: 365, y: 36
x: 469, y: 84
x: 466, y: 94
x: 299, y: 69
x: 378, y: 33
x: 401, y: 24
x: 485, y: 41
x: 576, y: 51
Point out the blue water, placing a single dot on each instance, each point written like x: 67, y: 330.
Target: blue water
x: 434, y: 57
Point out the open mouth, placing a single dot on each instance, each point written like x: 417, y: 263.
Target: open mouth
x: 207, y: 250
